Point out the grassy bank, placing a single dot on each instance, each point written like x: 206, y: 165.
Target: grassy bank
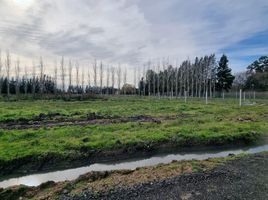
x: 178, y: 124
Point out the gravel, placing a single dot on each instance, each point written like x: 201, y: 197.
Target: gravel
x: 243, y: 178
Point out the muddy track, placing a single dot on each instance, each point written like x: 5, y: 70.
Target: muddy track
x: 77, y: 122
x: 102, y: 120
x: 245, y: 178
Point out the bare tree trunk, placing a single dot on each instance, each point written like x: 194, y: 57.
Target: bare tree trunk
x: 113, y: 79
x: 1, y: 75
x: 176, y: 79
x: 17, y: 72
x: 88, y: 78
x: 125, y: 80
x: 180, y: 81
x: 70, y: 69
x: 34, y: 80
x: 82, y: 82
x: 163, y: 79
x: 55, y: 77
x: 139, y: 79
x: 154, y: 80
x: 192, y: 78
x: 95, y: 73
x: 101, y: 77
x: 107, y: 80
x: 135, y: 81
x: 119, y: 78
x: 41, y: 76
x: 158, y: 79
x: 8, y: 66
x: 62, y: 75
x: 77, y: 76
x: 144, y: 82
x: 26, y: 80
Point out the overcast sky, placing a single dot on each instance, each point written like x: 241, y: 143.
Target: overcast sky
x: 133, y: 31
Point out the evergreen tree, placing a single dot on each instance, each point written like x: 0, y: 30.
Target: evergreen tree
x: 224, y: 76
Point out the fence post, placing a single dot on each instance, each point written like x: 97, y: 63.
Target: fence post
x: 185, y: 96
x: 244, y: 96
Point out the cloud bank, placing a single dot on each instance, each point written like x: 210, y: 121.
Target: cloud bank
x: 130, y: 31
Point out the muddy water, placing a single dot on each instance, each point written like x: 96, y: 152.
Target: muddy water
x: 71, y: 174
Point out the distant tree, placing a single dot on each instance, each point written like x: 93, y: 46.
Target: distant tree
x: 127, y: 89
x: 224, y: 76
x: 258, y: 74
x: 259, y: 66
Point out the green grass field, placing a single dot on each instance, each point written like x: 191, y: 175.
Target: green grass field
x: 218, y: 123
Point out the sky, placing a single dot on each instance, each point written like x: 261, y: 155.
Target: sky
x: 131, y: 32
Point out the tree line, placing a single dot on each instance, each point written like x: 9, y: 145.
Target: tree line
x: 203, y: 76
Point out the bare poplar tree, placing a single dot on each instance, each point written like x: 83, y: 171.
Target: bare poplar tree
x: 70, y: 69
x: 25, y: 79
x: 168, y: 75
x: 144, y: 76
x: 88, y: 78
x: 181, y: 80
x: 149, y: 78
x: 101, y: 77
x: 8, y: 68
x: 154, y: 80
x: 62, y: 74
x: 1, y: 70
x: 158, y: 78
x: 107, y: 79
x: 82, y: 81
x: 55, y: 77
x: 176, y: 79
x: 17, y: 73
x: 139, y: 79
x: 113, y: 78
x: 125, y: 80
x: 163, y: 78
x: 135, y: 80
x: 119, y: 78
x: 95, y: 73
x: 34, y: 79
x: 41, y: 76
x: 77, y: 75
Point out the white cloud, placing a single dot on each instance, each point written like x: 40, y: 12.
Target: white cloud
x: 128, y: 31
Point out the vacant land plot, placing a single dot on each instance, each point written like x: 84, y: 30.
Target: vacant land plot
x: 39, y: 135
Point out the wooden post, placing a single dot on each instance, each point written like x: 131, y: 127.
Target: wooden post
x: 185, y: 96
